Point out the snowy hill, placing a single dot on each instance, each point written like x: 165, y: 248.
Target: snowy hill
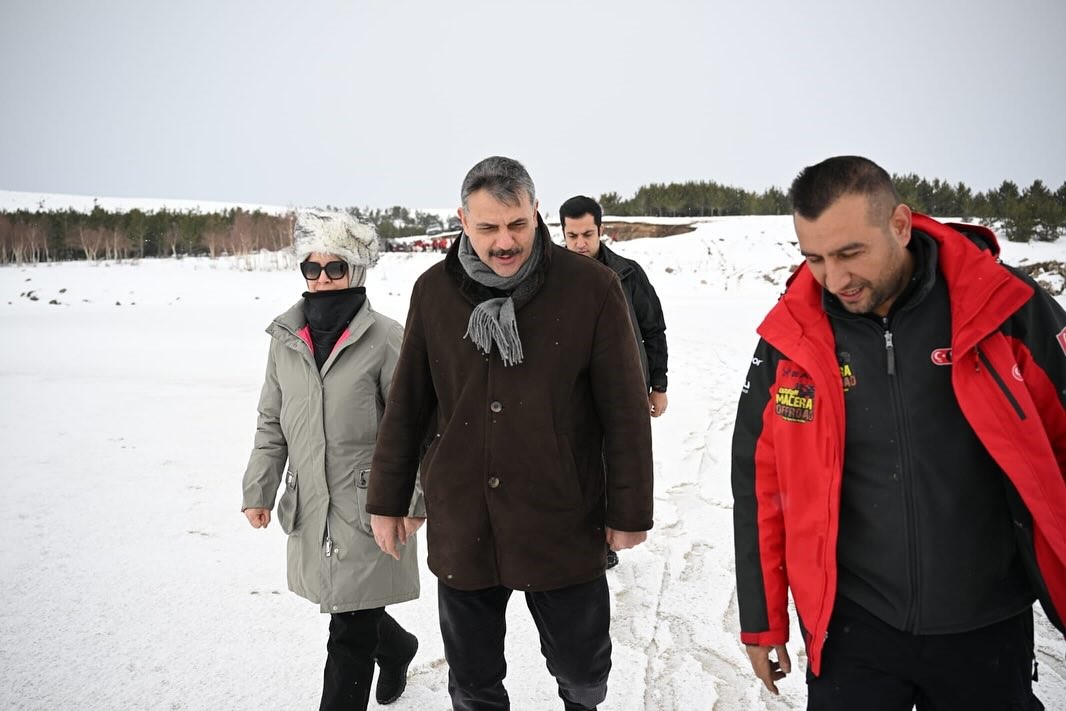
x: 11, y: 201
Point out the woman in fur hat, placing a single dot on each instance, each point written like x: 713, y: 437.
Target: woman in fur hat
x: 328, y: 373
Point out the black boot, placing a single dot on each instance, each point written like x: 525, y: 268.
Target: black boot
x: 353, y: 639
x: 396, y: 649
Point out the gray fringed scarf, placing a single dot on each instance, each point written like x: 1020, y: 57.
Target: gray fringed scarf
x: 493, y: 320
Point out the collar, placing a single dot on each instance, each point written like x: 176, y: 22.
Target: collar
x: 983, y: 293
x: 609, y: 258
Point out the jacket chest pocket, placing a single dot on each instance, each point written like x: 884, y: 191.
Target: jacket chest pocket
x: 289, y: 501
x: 1001, y: 383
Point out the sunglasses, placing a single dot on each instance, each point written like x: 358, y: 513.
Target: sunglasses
x: 334, y: 270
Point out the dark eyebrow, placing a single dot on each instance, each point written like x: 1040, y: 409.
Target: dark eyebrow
x: 846, y: 248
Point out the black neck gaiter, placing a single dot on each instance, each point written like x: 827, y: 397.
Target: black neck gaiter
x: 328, y: 313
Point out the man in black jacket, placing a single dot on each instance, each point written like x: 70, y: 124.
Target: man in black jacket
x: 581, y: 219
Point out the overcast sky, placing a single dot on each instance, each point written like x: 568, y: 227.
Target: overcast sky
x: 383, y: 102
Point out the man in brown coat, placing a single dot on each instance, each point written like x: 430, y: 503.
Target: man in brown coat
x: 518, y: 368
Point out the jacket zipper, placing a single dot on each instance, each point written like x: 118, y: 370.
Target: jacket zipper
x: 327, y: 547
x: 890, y: 350
x: 910, y: 530
x: 1002, y: 384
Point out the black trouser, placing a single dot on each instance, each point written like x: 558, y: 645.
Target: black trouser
x: 869, y: 665
x: 575, y: 639
x: 356, y: 640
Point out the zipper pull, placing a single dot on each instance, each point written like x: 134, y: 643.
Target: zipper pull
x: 891, y: 352
x: 328, y: 547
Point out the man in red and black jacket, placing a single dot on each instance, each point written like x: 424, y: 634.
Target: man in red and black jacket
x: 899, y: 458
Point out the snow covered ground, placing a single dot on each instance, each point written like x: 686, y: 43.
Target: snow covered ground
x: 130, y: 580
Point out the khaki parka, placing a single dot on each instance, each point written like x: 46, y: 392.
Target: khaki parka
x: 514, y: 478
x: 324, y: 425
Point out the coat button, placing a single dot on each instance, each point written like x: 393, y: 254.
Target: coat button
x: 496, y: 406
x: 493, y: 482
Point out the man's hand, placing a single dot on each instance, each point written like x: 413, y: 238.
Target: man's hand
x: 656, y: 403
x: 259, y: 518
x: 389, y: 533
x: 412, y: 524
x: 620, y: 540
x: 767, y: 669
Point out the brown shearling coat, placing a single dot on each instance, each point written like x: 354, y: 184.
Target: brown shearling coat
x: 513, y: 458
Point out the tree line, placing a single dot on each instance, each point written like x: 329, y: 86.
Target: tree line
x: 1021, y: 215
x: 56, y: 235
x: 40, y: 236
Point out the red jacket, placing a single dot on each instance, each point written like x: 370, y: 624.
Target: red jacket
x: 788, y: 446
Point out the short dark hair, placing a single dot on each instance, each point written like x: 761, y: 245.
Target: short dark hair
x: 578, y: 206
x: 817, y: 187
x: 504, y: 178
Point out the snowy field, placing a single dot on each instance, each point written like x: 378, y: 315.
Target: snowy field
x: 130, y: 579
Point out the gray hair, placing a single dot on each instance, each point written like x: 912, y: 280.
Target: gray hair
x: 505, y: 179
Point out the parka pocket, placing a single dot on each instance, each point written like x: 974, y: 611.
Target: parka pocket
x: 350, y: 499
x: 362, y: 481
x: 289, y: 501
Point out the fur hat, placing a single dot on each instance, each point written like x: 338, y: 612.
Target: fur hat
x: 338, y: 233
